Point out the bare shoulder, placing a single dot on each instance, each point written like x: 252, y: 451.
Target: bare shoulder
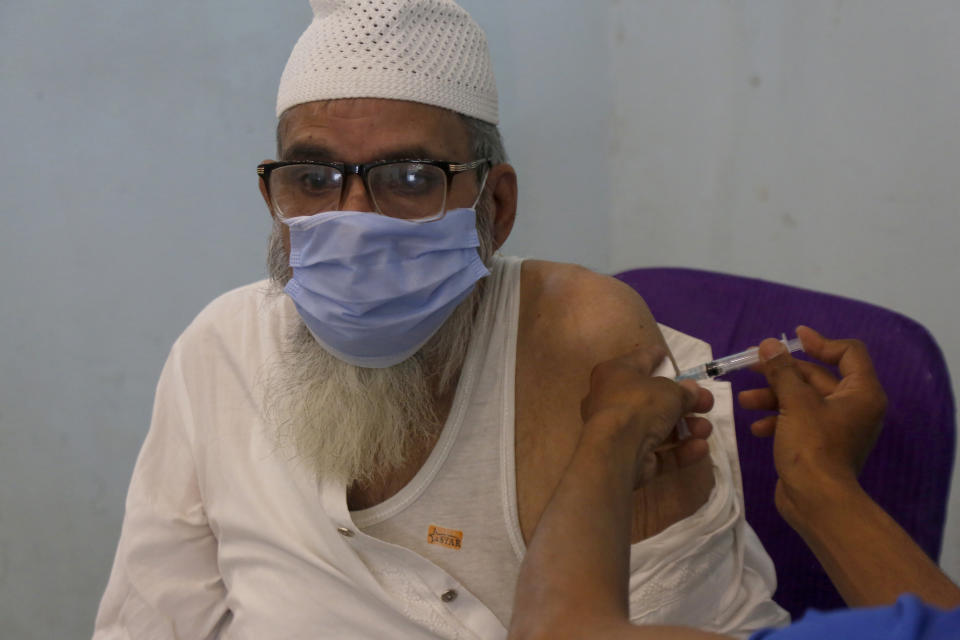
x: 572, y: 310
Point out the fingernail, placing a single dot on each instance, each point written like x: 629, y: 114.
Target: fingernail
x: 770, y: 349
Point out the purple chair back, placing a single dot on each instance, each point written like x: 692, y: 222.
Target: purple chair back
x: 909, y: 471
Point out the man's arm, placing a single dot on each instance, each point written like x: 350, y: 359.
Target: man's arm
x: 573, y: 581
x: 165, y: 582
x: 572, y: 319
x: 822, y: 434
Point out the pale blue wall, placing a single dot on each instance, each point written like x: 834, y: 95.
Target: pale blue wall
x: 735, y: 133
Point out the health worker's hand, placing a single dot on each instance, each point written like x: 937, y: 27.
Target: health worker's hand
x: 824, y: 427
x: 632, y: 409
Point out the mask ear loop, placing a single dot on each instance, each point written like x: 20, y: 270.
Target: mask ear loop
x: 483, y: 185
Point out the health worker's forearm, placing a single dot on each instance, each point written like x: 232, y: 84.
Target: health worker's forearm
x: 574, y: 574
x: 869, y: 558
x: 574, y: 578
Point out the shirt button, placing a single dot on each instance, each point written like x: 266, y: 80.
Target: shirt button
x: 449, y: 596
x: 346, y: 533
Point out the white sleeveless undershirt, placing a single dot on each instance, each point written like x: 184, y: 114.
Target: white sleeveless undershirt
x: 708, y: 570
x: 460, y: 510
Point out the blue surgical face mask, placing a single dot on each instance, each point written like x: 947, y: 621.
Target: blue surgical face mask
x: 373, y: 289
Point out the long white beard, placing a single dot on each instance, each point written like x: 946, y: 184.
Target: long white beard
x: 356, y: 424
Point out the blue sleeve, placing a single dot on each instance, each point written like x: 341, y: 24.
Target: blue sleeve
x: 908, y: 619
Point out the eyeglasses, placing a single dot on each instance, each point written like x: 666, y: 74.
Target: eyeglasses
x: 407, y: 189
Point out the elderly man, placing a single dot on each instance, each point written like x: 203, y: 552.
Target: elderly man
x: 362, y: 446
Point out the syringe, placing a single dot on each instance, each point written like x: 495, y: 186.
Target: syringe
x: 734, y: 362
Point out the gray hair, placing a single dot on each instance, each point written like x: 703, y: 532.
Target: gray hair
x: 485, y: 140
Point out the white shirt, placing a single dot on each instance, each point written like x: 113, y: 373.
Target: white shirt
x: 226, y: 536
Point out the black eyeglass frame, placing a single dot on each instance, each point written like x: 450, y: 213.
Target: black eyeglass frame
x: 450, y: 169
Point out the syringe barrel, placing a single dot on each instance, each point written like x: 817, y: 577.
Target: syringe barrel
x: 733, y: 362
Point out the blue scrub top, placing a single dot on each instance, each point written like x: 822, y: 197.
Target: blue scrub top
x: 908, y: 619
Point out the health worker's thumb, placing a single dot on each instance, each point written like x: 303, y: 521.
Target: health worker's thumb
x: 783, y: 375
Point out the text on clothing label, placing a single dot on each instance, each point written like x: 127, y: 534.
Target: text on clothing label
x: 449, y: 538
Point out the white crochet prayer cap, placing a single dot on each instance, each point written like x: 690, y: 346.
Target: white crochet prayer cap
x: 428, y: 51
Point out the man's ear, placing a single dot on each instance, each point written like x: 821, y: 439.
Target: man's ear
x: 502, y: 182
x: 263, y: 192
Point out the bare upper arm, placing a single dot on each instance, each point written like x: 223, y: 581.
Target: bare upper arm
x: 571, y: 319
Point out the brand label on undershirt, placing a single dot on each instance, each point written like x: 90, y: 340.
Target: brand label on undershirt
x: 444, y: 537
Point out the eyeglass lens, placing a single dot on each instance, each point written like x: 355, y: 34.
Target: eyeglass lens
x: 408, y: 190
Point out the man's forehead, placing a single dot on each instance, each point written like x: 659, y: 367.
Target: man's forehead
x: 371, y: 125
